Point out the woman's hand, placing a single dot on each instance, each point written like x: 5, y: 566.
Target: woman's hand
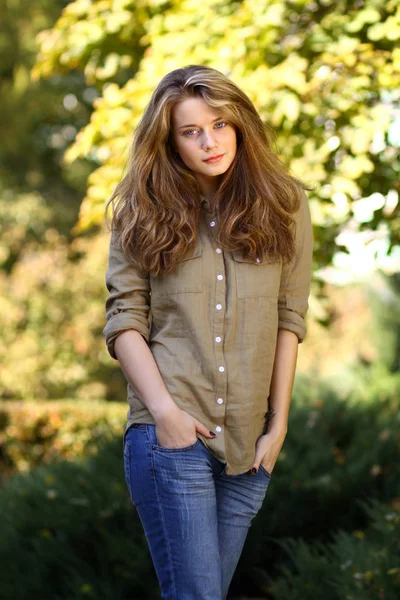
x: 175, y: 428
x: 268, y: 447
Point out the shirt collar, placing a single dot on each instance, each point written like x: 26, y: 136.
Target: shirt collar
x: 205, y: 203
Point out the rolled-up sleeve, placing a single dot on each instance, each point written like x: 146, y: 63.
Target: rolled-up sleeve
x: 296, y: 276
x: 128, y: 302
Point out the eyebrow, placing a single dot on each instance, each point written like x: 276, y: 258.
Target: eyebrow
x: 194, y: 124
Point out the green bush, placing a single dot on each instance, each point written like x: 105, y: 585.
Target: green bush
x: 337, y: 454
x: 70, y: 529
x: 36, y: 433
x: 355, y: 566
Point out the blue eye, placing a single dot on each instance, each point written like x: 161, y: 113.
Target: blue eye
x: 223, y: 123
x: 188, y: 132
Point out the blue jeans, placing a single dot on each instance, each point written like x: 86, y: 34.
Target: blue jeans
x: 195, y: 517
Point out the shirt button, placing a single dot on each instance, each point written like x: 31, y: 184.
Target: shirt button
x: 258, y: 260
x: 218, y: 250
x: 218, y: 428
x: 221, y: 369
x: 219, y: 306
x: 220, y: 400
x: 218, y: 339
x: 212, y: 223
x: 220, y: 277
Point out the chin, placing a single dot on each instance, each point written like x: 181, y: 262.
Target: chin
x: 217, y: 169
x: 222, y: 170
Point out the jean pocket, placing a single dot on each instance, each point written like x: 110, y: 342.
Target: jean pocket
x: 156, y: 446
x: 264, y: 470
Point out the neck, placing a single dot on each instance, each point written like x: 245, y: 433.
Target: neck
x: 208, y: 186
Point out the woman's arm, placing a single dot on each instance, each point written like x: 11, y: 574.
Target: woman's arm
x: 292, y: 308
x: 127, y: 336
x: 175, y: 428
x: 140, y: 368
x: 282, y: 381
x: 269, y: 444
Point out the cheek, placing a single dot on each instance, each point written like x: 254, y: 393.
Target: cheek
x: 187, y: 152
x: 177, y: 145
x: 230, y: 138
x: 231, y: 142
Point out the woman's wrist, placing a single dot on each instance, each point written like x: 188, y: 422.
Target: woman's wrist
x: 164, y: 409
x: 275, y: 422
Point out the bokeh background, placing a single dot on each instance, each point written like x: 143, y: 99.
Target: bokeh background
x: 74, y: 80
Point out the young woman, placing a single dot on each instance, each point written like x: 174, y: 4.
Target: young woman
x: 208, y: 278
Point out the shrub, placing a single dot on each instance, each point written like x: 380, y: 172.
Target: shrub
x: 37, y: 433
x: 70, y: 528
x: 354, y: 566
x: 337, y: 454
x: 69, y: 531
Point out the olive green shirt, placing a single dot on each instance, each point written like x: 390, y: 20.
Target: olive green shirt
x: 211, y: 325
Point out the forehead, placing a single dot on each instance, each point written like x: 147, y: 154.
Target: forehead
x: 193, y: 111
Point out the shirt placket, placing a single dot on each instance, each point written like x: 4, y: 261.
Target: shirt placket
x: 219, y: 327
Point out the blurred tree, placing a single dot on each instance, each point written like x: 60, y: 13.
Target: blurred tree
x: 324, y: 74
x: 45, y: 324
x: 39, y: 119
x: 332, y: 110
x: 52, y: 308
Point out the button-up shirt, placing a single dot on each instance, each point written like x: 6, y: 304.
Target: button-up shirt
x: 211, y: 325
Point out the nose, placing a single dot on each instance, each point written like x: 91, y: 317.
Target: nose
x: 208, y: 139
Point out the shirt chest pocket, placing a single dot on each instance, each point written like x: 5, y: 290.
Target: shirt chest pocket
x: 256, y: 279
x: 185, y: 278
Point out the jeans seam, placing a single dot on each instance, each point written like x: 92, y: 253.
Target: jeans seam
x: 127, y: 458
x: 162, y: 516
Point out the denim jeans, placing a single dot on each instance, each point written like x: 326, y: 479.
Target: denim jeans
x: 195, y: 517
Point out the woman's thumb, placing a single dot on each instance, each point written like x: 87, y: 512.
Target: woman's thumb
x: 203, y: 429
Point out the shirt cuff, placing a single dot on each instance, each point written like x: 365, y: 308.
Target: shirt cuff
x: 292, y: 321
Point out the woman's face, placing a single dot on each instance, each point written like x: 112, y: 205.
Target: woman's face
x: 200, y: 133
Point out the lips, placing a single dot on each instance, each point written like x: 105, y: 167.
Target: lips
x: 215, y: 158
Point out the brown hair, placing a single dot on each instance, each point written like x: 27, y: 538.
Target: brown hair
x: 159, y: 198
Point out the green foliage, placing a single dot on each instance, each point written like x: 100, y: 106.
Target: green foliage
x: 52, y: 298
x: 34, y: 433
x: 72, y: 525
x: 102, y: 38
x: 53, y: 291
x: 337, y: 451
x: 38, y: 119
x: 324, y: 74
x: 69, y: 531
x: 337, y: 454
x: 354, y: 566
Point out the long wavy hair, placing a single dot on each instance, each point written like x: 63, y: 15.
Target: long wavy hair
x: 158, y: 200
